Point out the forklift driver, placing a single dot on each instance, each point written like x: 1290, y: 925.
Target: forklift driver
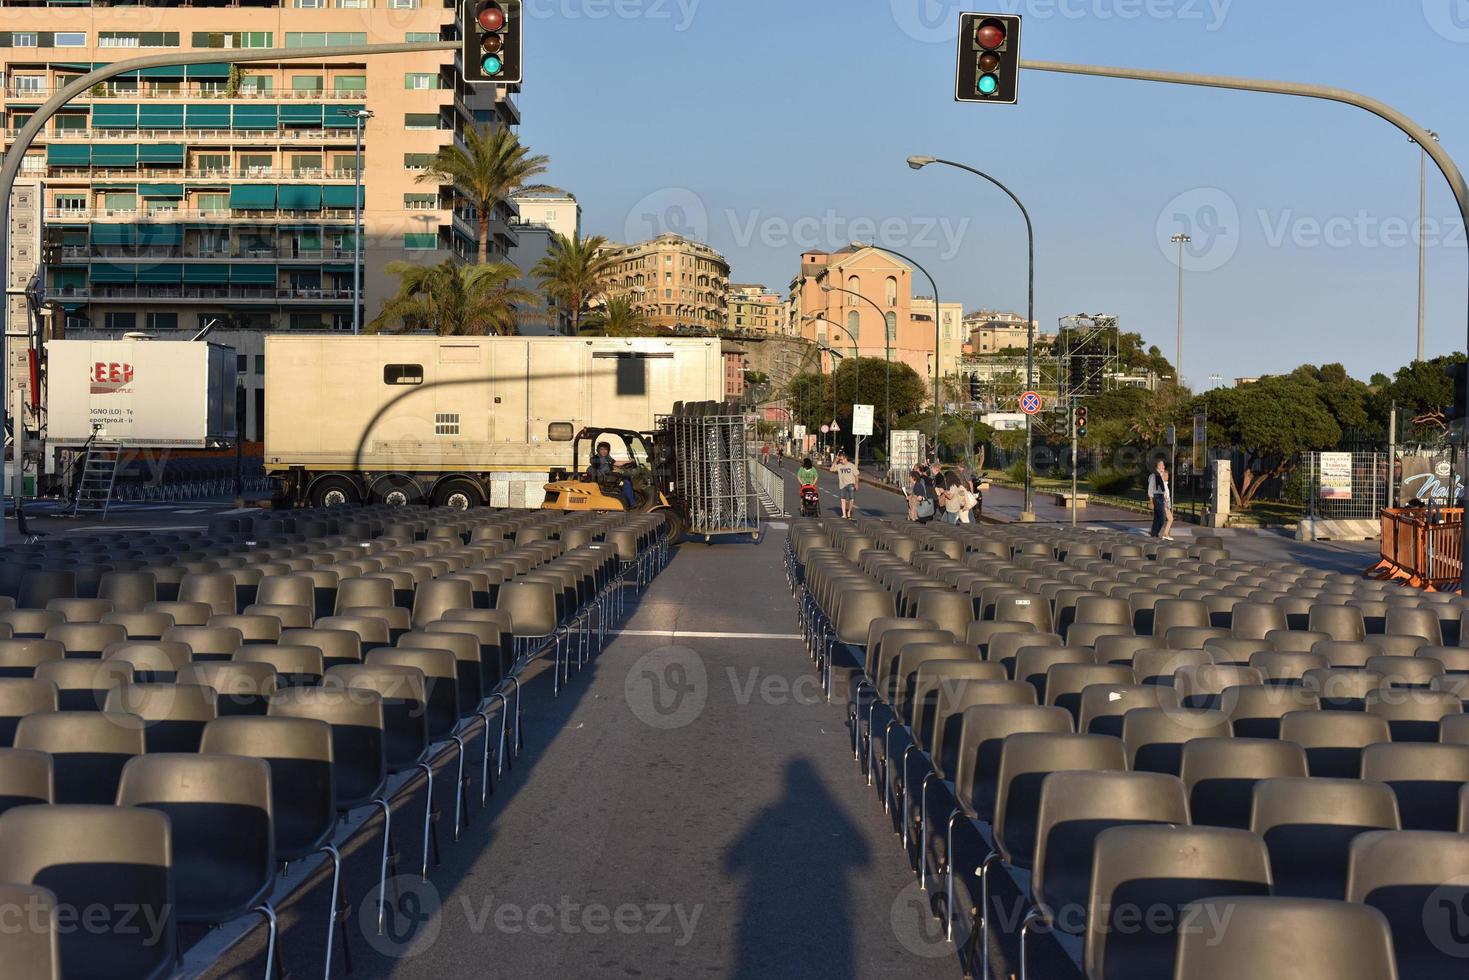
x: 603, y: 469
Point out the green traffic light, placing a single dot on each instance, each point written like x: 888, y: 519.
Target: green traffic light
x: 988, y: 85
x: 492, y: 64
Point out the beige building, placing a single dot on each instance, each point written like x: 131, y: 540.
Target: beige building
x: 952, y: 335
x: 755, y: 309
x: 541, y: 217
x: 196, y: 193
x: 991, y: 332
x: 561, y: 213
x: 879, y: 320
x: 678, y: 284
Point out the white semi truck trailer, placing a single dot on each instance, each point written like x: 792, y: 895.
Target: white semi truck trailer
x: 460, y: 421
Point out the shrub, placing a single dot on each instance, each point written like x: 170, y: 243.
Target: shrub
x: 1112, y: 482
x: 1015, y: 472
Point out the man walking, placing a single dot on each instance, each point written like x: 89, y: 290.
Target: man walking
x: 1160, y: 494
x: 848, y: 480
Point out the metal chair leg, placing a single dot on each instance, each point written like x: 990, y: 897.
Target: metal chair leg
x: 271, y: 966
x: 382, y: 884
x: 332, y: 911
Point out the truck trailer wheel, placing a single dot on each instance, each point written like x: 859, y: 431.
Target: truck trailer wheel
x: 458, y: 495
x: 396, y: 491
x: 334, y: 491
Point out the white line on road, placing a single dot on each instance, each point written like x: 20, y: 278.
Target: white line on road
x: 692, y: 634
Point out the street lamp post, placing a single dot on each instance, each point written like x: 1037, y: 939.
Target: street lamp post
x: 1422, y: 239
x: 856, y: 364
x: 1027, y: 513
x: 937, y: 330
x: 361, y: 116
x: 1180, y: 240
x: 887, y: 387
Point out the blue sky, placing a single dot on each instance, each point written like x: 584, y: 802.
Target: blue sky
x: 769, y: 126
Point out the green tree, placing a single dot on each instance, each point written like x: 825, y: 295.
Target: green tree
x: 492, y: 166
x: 1272, y: 422
x: 452, y: 299
x: 619, y: 317
x: 574, y: 274
x: 958, y: 433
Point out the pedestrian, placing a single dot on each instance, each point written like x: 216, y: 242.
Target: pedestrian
x: 977, y: 489
x: 1161, y: 497
x: 765, y: 454
x: 807, y: 473
x: 848, y: 480
x: 966, y: 491
x: 911, y: 487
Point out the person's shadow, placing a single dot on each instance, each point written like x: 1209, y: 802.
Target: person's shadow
x: 796, y: 857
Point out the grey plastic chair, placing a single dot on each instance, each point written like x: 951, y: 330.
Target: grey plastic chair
x: 1426, y: 779
x: 1308, y: 825
x: 25, y: 780
x: 1418, y: 880
x: 1303, y: 939
x: 174, y: 715
x: 33, y: 950
x: 1220, y: 775
x: 1255, y: 710
x: 1413, y: 715
x: 88, y: 750
x: 1103, y: 707
x: 1333, y: 740
x: 1155, y: 737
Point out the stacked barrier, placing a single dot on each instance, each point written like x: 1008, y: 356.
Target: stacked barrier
x: 711, y: 457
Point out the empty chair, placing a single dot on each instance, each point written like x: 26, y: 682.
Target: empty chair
x: 435, y: 598
x: 1413, y: 715
x: 1200, y: 685
x: 152, y: 662
x: 1104, y: 706
x: 363, y: 591
x: 1066, y: 683
x: 1426, y: 779
x: 296, y: 665
x: 25, y: 623
x: 141, y: 625
x: 1333, y: 740
x: 1419, y: 881
x: 336, y: 646
x: 1193, y: 637
x: 1255, y: 620
x: 82, y: 685
x: 128, y: 591
x: 1255, y: 710
x: 31, y: 951
x: 81, y: 610
x: 112, y: 858
x: 1003, y: 647
x: 88, y: 750
x: 40, y: 586
x: 371, y: 633
x: 215, y: 589
x: 1171, y: 614
x: 1262, y: 937
x: 21, y: 696
x: 253, y: 628
x: 241, y: 688
x: 1340, y: 689
x: 1220, y: 775
x: 1141, y: 871
x: 1033, y: 662
x: 1295, y: 641
x: 1412, y: 671
x: 1161, y: 666
x: 1308, y: 826
x: 1285, y: 668
x: 1396, y: 644
x: 87, y: 640
x: 207, y: 642
x: 1155, y: 736
x: 1414, y: 621
x: 20, y: 658
x: 1124, y: 649
x: 183, y: 613
x: 295, y: 591
x: 174, y: 715
x: 1234, y: 651
x: 1337, y: 622
x: 25, y: 779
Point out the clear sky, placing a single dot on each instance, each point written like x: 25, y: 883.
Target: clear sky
x: 770, y: 126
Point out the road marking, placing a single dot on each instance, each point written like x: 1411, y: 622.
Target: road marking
x: 697, y: 635
x: 198, y: 510
x: 236, y: 510
x: 777, y: 525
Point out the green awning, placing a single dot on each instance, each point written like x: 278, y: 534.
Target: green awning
x: 68, y: 155
x: 336, y: 269
x: 301, y: 114
x: 337, y: 117
x: 300, y: 197
x: 110, y: 234
x: 253, y: 196
x: 253, y: 275
x: 212, y: 69
x: 206, y: 274
x: 161, y: 153
x: 115, y: 115
x: 160, y: 234
x: 207, y: 116
x: 105, y: 154
x: 113, y: 272
x: 255, y: 117
x: 340, y: 196
x: 160, y: 272
x: 161, y: 190
x: 166, y: 116
x: 162, y: 71
x: 69, y: 278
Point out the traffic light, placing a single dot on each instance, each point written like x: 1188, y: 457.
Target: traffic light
x: 1081, y: 421
x: 974, y: 389
x: 1457, y: 373
x: 493, y: 33
x: 989, y: 58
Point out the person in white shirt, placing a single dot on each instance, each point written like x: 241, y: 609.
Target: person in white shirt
x: 1161, y: 497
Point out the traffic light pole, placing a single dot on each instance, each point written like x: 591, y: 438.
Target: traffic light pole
x: 82, y: 83
x: 1383, y: 111
x: 1073, y: 462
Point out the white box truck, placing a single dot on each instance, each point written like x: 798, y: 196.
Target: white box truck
x: 460, y: 421
x: 140, y: 393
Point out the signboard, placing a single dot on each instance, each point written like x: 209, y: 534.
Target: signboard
x: 905, y: 449
x: 798, y: 433
x: 1030, y: 403
x: 1201, y: 438
x: 1430, y: 479
x: 861, y: 420
x: 1334, y: 475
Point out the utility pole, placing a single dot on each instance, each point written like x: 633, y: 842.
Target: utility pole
x: 1073, y: 461
x: 1179, y: 240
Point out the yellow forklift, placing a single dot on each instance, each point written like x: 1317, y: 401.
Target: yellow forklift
x: 639, y: 478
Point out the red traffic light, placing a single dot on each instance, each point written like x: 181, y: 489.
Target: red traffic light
x: 491, y: 16
x: 991, y: 35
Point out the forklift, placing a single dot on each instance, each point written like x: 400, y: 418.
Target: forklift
x: 641, y: 479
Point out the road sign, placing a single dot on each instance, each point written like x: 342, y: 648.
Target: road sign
x: 1030, y: 403
x: 835, y: 427
x: 825, y: 429
x: 1201, y: 438
x: 861, y: 420
x: 798, y: 433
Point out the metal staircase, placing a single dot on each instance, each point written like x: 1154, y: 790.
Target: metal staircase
x: 99, y: 474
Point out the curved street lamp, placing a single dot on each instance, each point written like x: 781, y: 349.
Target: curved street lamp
x: 856, y: 362
x: 918, y: 163
x: 887, y: 346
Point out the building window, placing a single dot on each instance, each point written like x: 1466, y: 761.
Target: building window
x: 127, y: 201
x: 213, y: 163
x: 260, y: 364
x: 855, y: 285
x: 353, y: 4
x: 420, y: 37
x: 420, y: 202
x: 349, y: 83
x: 305, y: 164
x: 23, y: 39
x: 120, y: 321
x: 163, y: 321
x: 71, y: 123
x: 420, y: 120
x: 402, y: 4
x: 344, y: 165
x: 402, y: 374
x: 234, y: 39
x: 416, y: 240
x: 854, y: 327
x: 257, y: 84
x: 323, y: 39
x: 71, y: 39
x: 417, y: 161
x: 71, y: 202
x: 892, y: 328
x: 446, y: 423
x: 308, y: 4
x: 256, y: 164
x: 242, y: 361
x: 27, y: 84
x: 892, y: 291
x: 420, y: 80
x: 306, y: 83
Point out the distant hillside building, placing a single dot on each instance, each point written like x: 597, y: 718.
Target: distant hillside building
x: 678, y: 284
x: 756, y: 309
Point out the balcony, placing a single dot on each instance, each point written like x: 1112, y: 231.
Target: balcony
x: 155, y: 293
x: 192, y: 93
x: 197, y: 214
x: 174, y: 252
x: 209, y: 175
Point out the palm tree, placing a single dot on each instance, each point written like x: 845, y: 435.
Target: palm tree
x: 493, y: 166
x: 618, y: 317
x: 453, y: 299
x: 574, y: 273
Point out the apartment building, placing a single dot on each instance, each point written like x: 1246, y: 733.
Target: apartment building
x: 756, y: 309
x: 951, y: 334
x: 991, y: 332
x: 541, y: 218
x: 182, y: 195
x: 679, y: 284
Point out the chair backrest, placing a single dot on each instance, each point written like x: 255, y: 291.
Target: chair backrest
x: 1220, y: 775
x: 1143, y: 870
x: 1426, y: 779
x: 1104, y: 706
x: 404, y: 694
x: 1334, y: 740
x: 207, y: 642
x: 1413, y: 715
x: 299, y: 751
x: 109, y: 857
x: 1264, y: 937
x: 1419, y: 881
x: 1155, y: 736
x: 88, y: 750
x: 32, y: 949
x: 359, y: 766
x: 985, y: 728
x: 1025, y: 761
x: 25, y: 778
x: 1255, y: 710
x: 152, y: 661
x: 20, y: 658
x: 1308, y: 825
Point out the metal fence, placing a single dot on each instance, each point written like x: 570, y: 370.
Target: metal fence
x: 711, y: 453
x: 771, y: 487
x: 1345, y: 485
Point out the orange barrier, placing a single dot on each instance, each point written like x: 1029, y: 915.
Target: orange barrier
x: 1426, y: 554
